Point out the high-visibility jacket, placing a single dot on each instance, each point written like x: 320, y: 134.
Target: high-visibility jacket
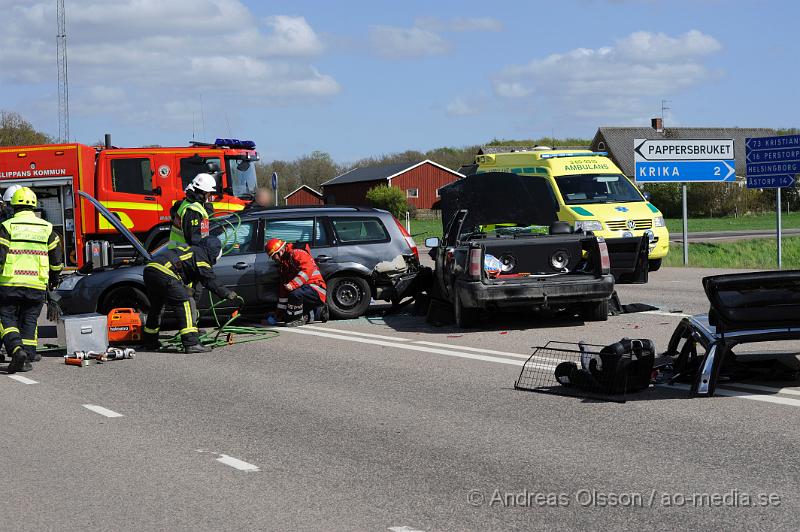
x: 189, y: 224
x: 27, y: 244
x: 297, y: 268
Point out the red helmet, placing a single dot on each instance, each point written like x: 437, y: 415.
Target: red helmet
x: 274, y: 246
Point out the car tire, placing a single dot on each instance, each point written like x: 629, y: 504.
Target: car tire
x: 597, y: 311
x: 464, y: 317
x: 654, y: 265
x: 348, y: 297
x: 124, y: 297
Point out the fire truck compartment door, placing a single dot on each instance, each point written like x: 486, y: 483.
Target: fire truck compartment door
x: 131, y: 194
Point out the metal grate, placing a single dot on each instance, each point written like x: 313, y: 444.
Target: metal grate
x: 581, y: 364
x: 622, y: 225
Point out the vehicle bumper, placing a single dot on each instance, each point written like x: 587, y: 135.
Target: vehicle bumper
x: 475, y: 294
x: 660, y: 248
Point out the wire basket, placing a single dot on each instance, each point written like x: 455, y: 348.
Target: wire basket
x: 576, y: 370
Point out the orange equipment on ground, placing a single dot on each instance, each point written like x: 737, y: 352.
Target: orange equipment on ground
x: 124, y: 326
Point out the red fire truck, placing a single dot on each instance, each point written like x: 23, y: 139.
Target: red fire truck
x: 138, y: 185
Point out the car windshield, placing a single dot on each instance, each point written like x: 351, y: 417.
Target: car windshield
x: 243, y: 178
x: 597, y: 188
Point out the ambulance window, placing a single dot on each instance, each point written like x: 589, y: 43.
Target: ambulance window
x: 132, y: 176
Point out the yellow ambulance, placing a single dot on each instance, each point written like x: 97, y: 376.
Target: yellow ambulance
x: 591, y: 191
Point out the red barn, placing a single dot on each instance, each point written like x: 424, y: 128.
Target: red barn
x: 420, y: 181
x: 303, y: 195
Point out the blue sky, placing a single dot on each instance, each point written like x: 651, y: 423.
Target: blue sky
x: 358, y: 78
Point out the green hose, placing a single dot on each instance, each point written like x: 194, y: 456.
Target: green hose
x: 223, y: 334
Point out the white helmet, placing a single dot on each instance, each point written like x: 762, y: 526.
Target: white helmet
x: 9, y: 193
x: 203, y: 183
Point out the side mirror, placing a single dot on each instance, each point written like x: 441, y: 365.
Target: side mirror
x: 432, y: 242
x: 646, y: 195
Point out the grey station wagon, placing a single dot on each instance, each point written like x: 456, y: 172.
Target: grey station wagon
x: 363, y: 254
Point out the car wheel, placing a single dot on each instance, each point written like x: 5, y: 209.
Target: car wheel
x: 124, y: 297
x: 654, y: 265
x: 464, y: 317
x: 597, y: 311
x: 348, y: 297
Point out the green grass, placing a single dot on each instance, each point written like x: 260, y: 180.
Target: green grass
x: 742, y: 223
x: 422, y: 229
x: 757, y: 253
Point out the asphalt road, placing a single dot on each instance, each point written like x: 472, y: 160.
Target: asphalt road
x: 387, y: 423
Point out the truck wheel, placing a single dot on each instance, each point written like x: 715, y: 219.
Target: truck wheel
x: 464, y: 317
x: 156, y: 239
x: 124, y: 297
x: 595, y: 311
x: 348, y: 297
x: 654, y: 264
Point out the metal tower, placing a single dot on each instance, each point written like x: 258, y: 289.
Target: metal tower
x: 63, y: 85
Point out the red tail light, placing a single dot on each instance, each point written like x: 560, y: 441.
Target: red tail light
x: 475, y: 262
x: 605, y: 260
x: 408, y: 237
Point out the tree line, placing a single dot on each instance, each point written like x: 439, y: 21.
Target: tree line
x: 313, y: 169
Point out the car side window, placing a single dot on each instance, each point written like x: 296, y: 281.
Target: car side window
x: 297, y: 231
x: 236, y: 238
x: 359, y: 230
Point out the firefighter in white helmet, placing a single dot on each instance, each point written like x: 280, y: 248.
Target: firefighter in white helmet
x: 190, y: 217
x: 6, y: 211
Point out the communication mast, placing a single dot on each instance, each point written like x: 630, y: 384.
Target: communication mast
x: 63, y: 85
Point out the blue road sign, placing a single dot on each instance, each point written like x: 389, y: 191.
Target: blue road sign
x: 773, y: 155
x: 770, y: 143
x: 274, y: 180
x: 685, y: 171
x: 772, y: 181
x: 772, y: 161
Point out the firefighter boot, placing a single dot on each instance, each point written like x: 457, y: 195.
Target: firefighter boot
x: 294, y: 323
x: 19, y: 362
x: 197, y: 348
x: 33, y: 355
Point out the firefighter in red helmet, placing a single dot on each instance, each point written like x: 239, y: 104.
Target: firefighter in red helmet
x: 302, y: 289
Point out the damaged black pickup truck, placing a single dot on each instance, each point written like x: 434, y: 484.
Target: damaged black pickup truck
x: 502, y: 248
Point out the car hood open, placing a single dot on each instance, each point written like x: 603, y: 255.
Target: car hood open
x: 114, y: 221
x: 500, y: 197
x: 761, y: 300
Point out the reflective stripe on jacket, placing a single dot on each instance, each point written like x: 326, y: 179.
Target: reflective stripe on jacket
x: 297, y: 268
x: 27, y: 263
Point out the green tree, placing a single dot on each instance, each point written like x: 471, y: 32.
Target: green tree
x: 388, y: 198
x: 16, y: 131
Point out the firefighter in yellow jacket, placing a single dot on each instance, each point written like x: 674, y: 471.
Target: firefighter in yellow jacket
x: 30, y: 262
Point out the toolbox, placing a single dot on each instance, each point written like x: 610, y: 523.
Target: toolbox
x: 86, y: 332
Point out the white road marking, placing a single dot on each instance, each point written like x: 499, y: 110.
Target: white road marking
x: 488, y: 351
x: 742, y: 395
x: 299, y: 330
x: 365, y: 335
x: 404, y: 529
x: 237, y: 464
x: 102, y: 411
x: 23, y: 380
x: 759, y: 388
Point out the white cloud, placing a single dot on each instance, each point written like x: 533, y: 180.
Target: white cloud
x: 460, y: 107
x: 459, y: 24
x: 158, y: 56
x: 612, y: 81
x: 397, y: 43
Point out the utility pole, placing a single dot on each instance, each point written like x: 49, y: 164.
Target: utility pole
x: 664, y: 108
x: 63, y: 84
